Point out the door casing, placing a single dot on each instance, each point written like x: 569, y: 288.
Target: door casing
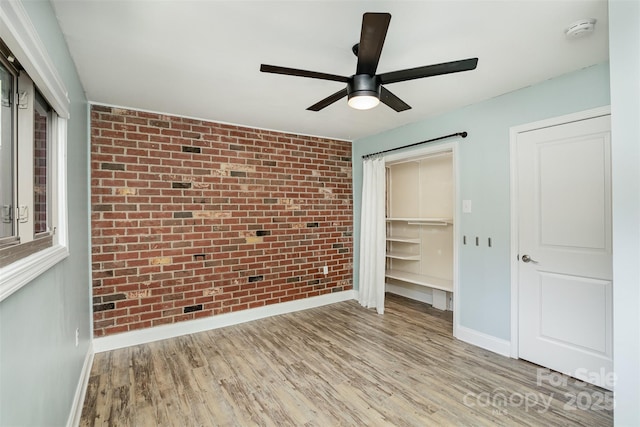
x: 430, y: 150
x: 513, y: 181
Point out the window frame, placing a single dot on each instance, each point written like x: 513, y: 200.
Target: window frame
x: 20, y: 36
x: 51, y: 137
x: 13, y: 74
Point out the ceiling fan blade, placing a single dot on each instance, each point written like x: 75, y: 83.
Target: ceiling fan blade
x: 372, y: 35
x: 392, y: 100
x: 301, y: 73
x: 428, y: 71
x: 328, y: 100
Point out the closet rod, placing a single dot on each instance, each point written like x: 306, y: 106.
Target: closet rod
x: 462, y: 134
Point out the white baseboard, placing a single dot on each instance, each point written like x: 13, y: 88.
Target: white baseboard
x: 81, y: 390
x: 480, y: 339
x: 142, y: 336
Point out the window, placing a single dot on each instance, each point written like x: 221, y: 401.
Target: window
x: 34, y: 108
x: 27, y: 127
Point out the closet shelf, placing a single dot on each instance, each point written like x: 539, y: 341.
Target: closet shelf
x: 403, y: 239
x: 420, y: 279
x: 423, y: 221
x: 408, y: 256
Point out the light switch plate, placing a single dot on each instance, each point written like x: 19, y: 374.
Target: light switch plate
x: 466, y: 206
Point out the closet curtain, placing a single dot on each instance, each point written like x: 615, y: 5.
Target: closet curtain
x: 372, y: 234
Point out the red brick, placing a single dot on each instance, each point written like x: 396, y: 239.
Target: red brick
x: 218, y: 216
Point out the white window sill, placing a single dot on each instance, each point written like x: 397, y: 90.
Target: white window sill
x: 16, y: 275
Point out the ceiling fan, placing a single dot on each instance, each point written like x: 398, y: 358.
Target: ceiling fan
x: 365, y: 88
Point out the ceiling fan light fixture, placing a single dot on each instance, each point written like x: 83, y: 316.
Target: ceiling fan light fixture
x: 363, y: 102
x: 363, y: 92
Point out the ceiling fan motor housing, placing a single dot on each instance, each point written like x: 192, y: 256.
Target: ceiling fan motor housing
x: 363, y: 85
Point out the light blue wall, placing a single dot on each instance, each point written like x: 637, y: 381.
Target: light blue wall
x: 624, y: 52
x: 484, y: 273
x: 40, y: 365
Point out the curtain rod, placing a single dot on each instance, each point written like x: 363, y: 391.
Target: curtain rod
x: 462, y: 134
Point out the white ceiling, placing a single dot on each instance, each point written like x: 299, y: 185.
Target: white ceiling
x: 201, y: 58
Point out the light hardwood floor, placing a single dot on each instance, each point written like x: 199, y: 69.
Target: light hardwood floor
x: 338, y: 365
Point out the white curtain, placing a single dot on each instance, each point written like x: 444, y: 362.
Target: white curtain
x: 372, y: 235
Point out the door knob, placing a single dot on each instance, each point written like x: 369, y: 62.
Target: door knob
x: 527, y: 258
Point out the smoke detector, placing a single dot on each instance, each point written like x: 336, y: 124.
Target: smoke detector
x: 580, y: 28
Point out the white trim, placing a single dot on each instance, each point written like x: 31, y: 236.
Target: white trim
x: 143, y: 336
x: 23, y: 271
x: 88, y: 237
x: 514, y: 245
x: 59, y: 185
x: 567, y: 118
x: 457, y: 207
x: 81, y: 390
x: 19, y: 273
x: 21, y: 37
x: 480, y: 339
x: 435, y: 149
x: 513, y: 182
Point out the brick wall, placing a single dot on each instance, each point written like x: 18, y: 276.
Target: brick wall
x: 40, y: 220
x: 192, y: 219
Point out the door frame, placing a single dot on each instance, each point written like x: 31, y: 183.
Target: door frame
x: 513, y: 184
x: 432, y: 149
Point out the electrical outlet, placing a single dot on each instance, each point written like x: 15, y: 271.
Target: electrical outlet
x: 77, y: 336
x: 325, y: 270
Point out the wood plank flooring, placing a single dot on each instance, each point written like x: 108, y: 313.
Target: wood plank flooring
x: 338, y: 365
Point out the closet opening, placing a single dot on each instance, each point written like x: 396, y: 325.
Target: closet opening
x: 421, y: 258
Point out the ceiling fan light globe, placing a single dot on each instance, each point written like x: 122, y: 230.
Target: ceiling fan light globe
x: 363, y: 92
x: 363, y: 102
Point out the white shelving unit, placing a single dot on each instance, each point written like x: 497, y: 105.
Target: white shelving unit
x: 407, y: 256
x: 423, y: 221
x: 420, y: 229
x: 421, y: 280
x: 394, y: 253
x: 401, y: 239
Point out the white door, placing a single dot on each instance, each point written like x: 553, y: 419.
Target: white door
x: 565, y: 260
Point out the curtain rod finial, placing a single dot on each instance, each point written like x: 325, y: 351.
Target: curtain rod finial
x: 464, y: 134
